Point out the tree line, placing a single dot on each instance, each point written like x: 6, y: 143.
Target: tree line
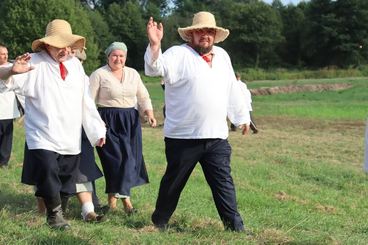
x: 312, y: 34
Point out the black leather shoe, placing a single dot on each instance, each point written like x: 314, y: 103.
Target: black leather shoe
x: 56, y: 220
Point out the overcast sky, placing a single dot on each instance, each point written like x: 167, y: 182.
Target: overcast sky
x: 285, y: 2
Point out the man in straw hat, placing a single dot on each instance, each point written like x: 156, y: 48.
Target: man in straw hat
x: 200, y: 93
x: 57, y: 105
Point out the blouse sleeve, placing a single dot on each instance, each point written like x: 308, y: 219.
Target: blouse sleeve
x: 94, y: 85
x: 143, y: 97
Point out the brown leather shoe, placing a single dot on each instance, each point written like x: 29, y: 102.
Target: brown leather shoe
x: 130, y: 211
x: 93, y: 217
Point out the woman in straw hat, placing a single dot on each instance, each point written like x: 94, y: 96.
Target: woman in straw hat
x: 196, y: 129
x: 57, y: 104
x: 117, y: 89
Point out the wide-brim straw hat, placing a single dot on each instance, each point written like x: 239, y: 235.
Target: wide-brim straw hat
x: 59, y: 34
x: 80, y: 54
x: 203, y: 20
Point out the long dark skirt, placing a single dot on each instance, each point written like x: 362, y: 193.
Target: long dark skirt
x: 88, y: 169
x: 121, y: 157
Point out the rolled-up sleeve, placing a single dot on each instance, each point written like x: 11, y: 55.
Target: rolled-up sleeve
x: 143, y: 97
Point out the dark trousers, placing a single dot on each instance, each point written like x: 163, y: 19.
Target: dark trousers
x: 6, y: 140
x: 53, y: 174
x: 182, y: 156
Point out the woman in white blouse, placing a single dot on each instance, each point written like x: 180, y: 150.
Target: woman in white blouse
x: 117, y: 90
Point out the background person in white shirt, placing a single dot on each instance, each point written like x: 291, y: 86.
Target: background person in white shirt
x: 8, y: 111
x: 58, y: 104
x: 200, y: 93
x: 248, y: 98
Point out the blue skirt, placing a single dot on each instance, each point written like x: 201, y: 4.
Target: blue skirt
x: 121, y: 157
x: 88, y: 169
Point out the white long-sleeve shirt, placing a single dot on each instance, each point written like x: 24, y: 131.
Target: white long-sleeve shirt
x: 8, y: 103
x: 56, y: 109
x: 246, y: 93
x: 198, y: 97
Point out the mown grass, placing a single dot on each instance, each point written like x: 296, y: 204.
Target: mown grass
x: 299, y: 181
x: 252, y: 74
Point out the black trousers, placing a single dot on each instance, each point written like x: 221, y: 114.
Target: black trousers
x: 6, y: 140
x: 53, y: 174
x: 182, y: 155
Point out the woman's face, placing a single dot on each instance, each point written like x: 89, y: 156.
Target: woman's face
x: 116, y: 59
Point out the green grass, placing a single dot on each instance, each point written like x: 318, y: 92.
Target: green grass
x: 252, y: 74
x: 349, y: 104
x: 299, y: 181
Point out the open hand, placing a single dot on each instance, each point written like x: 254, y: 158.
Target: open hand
x: 21, y: 64
x: 245, y: 129
x: 101, y: 142
x: 155, y: 32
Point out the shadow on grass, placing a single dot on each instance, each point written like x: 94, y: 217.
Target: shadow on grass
x: 16, y: 203
x: 61, y: 238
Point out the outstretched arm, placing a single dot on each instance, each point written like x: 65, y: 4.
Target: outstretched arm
x: 20, y: 66
x: 155, y: 33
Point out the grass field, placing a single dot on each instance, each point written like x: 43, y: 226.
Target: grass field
x: 299, y: 181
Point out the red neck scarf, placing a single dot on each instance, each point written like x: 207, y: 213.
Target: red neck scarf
x: 207, y: 58
x: 62, y: 70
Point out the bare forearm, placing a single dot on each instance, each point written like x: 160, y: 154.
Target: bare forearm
x: 155, y: 50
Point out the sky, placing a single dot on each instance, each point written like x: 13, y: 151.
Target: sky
x: 285, y: 2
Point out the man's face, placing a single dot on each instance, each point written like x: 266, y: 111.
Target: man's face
x: 203, y: 39
x: 3, y: 55
x: 58, y: 54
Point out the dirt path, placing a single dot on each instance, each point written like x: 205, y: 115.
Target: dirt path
x: 300, y: 88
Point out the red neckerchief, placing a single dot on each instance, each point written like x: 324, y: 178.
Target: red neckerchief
x: 207, y: 58
x: 62, y: 70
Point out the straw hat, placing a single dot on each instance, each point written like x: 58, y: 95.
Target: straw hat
x: 80, y: 54
x: 59, y: 35
x: 204, y: 20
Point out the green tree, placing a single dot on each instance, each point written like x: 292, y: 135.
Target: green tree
x: 255, y: 32
x: 102, y: 33
x: 293, y: 20
x: 23, y: 21
x: 127, y: 25
x: 320, y: 34
x: 352, y: 39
